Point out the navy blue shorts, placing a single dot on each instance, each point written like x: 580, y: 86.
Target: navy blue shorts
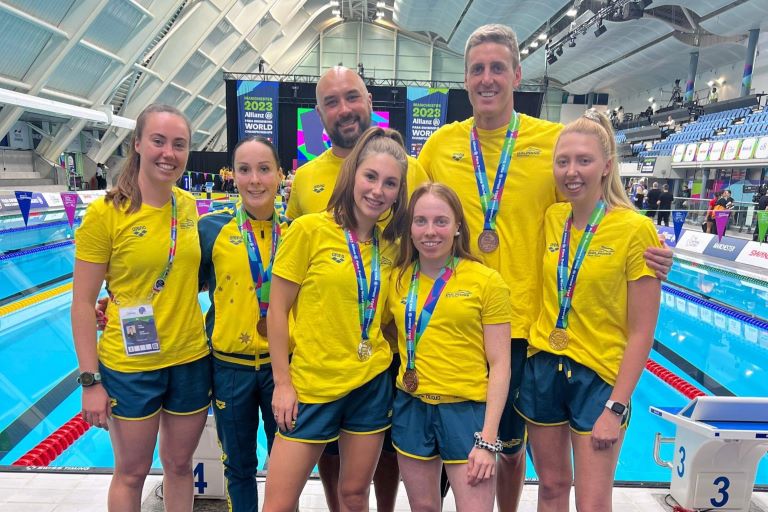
x: 181, y: 389
x: 556, y: 390
x: 365, y: 410
x: 426, y: 431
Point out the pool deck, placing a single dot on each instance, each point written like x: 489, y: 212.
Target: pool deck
x: 45, y: 492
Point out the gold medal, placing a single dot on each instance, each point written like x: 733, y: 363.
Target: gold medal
x: 364, y: 350
x: 410, y: 380
x: 261, y: 327
x: 488, y: 240
x: 558, y: 339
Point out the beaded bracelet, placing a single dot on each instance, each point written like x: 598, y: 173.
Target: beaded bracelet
x: 491, y: 447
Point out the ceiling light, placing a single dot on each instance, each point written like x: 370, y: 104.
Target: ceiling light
x: 600, y: 29
x: 524, y: 51
x: 572, y: 42
x: 380, y: 5
x: 534, y: 44
x: 711, y: 83
x: 336, y: 12
x: 379, y: 14
x: 559, y: 51
x: 543, y: 36
x: 650, y: 100
x: 334, y: 3
x: 572, y: 13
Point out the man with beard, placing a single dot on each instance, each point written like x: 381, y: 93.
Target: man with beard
x: 344, y: 105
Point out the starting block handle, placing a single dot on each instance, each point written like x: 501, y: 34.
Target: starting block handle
x: 657, y: 442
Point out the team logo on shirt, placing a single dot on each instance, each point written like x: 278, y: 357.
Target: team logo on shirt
x: 139, y: 230
x: 553, y: 247
x: 457, y: 156
x: 338, y: 257
x: 533, y: 151
x: 221, y: 404
x: 601, y: 251
x: 245, y: 338
x: 386, y: 261
x: 318, y: 188
x: 187, y: 223
x: 458, y: 293
x: 235, y: 240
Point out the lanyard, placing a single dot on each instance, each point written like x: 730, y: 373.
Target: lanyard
x: 159, y: 284
x: 490, y: 200
x: 366, y: 300
x: 414, y: 329
x: 261, y: 274
x: 566, y: 285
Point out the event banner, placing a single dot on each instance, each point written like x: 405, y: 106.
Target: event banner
x: 425, y: 112
x: 257, y: 109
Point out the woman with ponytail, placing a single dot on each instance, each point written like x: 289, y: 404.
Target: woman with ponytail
x: 150, y: 371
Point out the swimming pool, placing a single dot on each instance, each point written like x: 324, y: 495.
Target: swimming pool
x: 709, y: 332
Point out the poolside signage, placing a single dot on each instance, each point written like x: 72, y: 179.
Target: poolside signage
x: 731, y: 149
x: 677, y: 154
x: 678, y: 219
x: 257, y: 109
x: 694, y: 241
x: 728, y: 248
x: 755, y: 254
x: 702, y: 152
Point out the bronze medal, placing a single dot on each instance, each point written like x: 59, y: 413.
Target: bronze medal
x: 558, y: 339
x: 488, y: 240
x: 261, y: 327
x: 410, y: 380
x: 364, y: 350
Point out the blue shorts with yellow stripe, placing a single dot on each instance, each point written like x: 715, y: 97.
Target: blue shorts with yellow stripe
x: 364, y: 410
x: 180, y: 389
x: 556, y: 390
x: 425, y: 431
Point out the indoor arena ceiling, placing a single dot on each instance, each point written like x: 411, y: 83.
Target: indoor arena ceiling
x: 123, y: 54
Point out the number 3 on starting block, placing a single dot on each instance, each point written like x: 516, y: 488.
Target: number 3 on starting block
x: 716, y: 490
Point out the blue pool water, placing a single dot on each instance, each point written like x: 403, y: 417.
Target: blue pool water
x: 719, y: 353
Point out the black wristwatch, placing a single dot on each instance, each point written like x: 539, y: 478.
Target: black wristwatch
x: 617, y: 408
x: 88, y: 379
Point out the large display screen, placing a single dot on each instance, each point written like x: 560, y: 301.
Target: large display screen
x: 311, y: 138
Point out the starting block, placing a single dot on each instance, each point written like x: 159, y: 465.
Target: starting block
x: 718, y: 446
x: 207, y: 466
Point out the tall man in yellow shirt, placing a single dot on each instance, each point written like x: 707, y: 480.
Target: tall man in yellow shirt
x: 514, y: 154
x: 344, y: 105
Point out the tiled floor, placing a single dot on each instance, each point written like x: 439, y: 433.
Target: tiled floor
x: 45, y: 492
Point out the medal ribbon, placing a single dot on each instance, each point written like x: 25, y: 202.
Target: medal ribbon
x: 262, y: 276
x: 159, y: 283
x: 490, y: 200
x: 367, y: 301
x: 414, y: 329
x: 566, y: 285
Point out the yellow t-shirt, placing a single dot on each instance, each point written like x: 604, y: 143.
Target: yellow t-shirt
x: 450, y: 356
x: 326, y: 332
x: 597, y: 323
x: 231, y: 319
x: 315, y: 180
x: 135, y: 249
x: 529, y: 190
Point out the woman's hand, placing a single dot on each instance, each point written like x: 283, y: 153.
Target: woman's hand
x: 285, y: 406
x: 605, y: 433
x: 481, y: 465
x: 97, y: 408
